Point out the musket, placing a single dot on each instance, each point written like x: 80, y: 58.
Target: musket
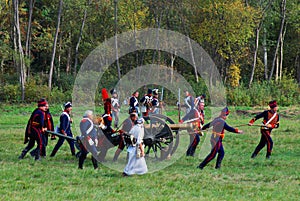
x: 61, y: 135
x: 257, y: 125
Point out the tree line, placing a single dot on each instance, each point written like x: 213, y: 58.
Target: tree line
x: 43, y: 42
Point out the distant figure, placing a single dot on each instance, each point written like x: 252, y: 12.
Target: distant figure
x: 270, y: 121
x: 65, y: 129
x: 146, y: 102
x: 188, y: 102
x: 34, y: 130
x: 219, y: 126
x: 115, y: 107
x: 134, y: 103
x: 136, y: 160
x: 155, y: 102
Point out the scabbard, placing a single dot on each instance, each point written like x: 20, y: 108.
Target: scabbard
x: 61, y: 135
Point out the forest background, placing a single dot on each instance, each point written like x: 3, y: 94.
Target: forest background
x: 254, y: 44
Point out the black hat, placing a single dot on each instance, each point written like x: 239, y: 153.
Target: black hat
x: 113, y: 91
x: 149, y: 91
x: 42, y: 102
x: 67, y: 105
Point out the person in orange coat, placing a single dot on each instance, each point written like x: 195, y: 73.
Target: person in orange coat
x: 270, y: 121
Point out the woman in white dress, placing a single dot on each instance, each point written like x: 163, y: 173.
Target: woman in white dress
x: 136, y: 160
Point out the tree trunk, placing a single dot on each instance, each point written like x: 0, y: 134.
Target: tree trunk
x: 54, y: 44
x: 265, y: 53
x: 255, y: 54
x: 80, y: 36
x: 20, y: 59
x: 283, y: 13
x: 281, y: 53
x: 28, y: 35
x: 116, y: 38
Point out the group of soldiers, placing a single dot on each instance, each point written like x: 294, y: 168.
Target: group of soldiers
x: 41, y: 122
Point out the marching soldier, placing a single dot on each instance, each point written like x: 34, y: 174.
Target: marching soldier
x: 35, y: 129
x: 88, y: 139
x: 49, y: 125
x: 65, y: 128
x: 198, y: 115
x: 270, y: 121
x: 219, y: 126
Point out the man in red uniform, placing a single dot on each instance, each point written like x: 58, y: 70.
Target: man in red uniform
x: 35, y: 129
x: 270, y: 121
x: 219, y: 126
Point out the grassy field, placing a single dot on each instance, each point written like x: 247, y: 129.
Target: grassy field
x: 240, y: 177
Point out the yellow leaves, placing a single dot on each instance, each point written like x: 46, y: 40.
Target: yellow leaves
x: 234, y: 75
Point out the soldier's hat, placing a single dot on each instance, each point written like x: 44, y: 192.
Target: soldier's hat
x: 113, y: 91
x: 225, y: 111
x: 273, y: 104
x: 155, y: 91
x: 104, y: 94
x: 42, y: 102
x: 67, y: 104
x: 149, y: 91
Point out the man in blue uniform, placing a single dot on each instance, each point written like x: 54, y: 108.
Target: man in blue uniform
x: 219, y: 126
x: 65, y: 128
x: 88, y: 139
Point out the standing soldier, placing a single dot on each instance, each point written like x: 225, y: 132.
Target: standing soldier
x: 155, y: 102
x: 198, y: 115
x: 65, y: 128
x: 219, y: 126
x: 188, y: 102
x: 115, y: 107
x: 146, y: 104
x: 88, y: 139
x: 35, y: 129
x: 270, y: 121
x: 134, y: 103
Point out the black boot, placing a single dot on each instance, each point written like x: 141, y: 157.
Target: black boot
x: 218, y: 165
x: 95, y: 163
x: 253, y: 155
x: 201, y: 166
x: 53, y: 153
x: 22, y: 154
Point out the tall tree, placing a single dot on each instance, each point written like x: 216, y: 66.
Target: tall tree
x: 20, y: 61
x: 280, y: 37
x: 54, y: 43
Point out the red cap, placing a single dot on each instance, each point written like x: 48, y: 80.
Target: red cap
x: 273, y: 104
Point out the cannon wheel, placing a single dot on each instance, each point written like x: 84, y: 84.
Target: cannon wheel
x: 159, y: 136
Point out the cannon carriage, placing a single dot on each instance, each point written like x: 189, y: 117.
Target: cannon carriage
x: 161, y: 137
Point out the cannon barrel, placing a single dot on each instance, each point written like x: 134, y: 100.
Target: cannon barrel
x: 186, y: 126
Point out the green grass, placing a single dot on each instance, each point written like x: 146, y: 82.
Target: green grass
x: 240, y: 177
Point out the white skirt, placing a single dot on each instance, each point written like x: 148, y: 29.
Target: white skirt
x: 135, y: 165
